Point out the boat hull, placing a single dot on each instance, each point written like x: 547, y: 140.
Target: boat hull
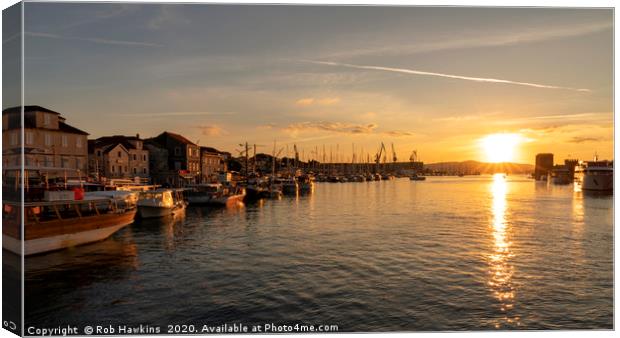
x: 597, y: 183
x: 228, y: 201
x: 62, y: 234
x: 154, y: 212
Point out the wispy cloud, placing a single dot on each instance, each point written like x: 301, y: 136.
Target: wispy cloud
x: 176, y: 113
x: 167, y: 16
x: 212, y: 130
x: 109, y: 12
x: 397, y: 133
x: 579, y: 116
x: 451, y: 76
x: 582, y: 139
x: 308, y: 101
x: 482, y: 39
x: 338, y: 127
x: 305, y: 101
x: 342, y: 128
x: 267, y: 126
x: 93, y: 40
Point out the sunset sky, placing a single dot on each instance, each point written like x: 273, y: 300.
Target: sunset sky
x: 439, y: 80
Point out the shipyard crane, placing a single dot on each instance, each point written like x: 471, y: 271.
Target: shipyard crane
x: 379, y: 153
x: 273, y: 159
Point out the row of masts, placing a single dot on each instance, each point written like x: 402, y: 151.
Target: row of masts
x: 321, y: 158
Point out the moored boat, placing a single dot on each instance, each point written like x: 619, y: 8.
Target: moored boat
x: 305, y: 183
x: 560, y: 175
x: 289, y: 186
x: 160, y: 202
x: 215, y: 194
x: 416, y: 177
x: 595, y: 176
x: 60, y: 224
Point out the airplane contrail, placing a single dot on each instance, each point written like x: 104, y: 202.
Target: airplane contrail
x: 451, y: 76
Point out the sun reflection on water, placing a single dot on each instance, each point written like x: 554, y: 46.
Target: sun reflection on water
x: 501, y: 271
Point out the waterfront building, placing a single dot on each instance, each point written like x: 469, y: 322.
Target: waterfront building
x: 544, y: 165
x: 180, y: 155
x: 118, y: 157
x: 212, y: 162
x: 50, y: 144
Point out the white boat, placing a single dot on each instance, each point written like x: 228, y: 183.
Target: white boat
x: 595, y: 175
x: 215, y: 194
x: 160, y: 202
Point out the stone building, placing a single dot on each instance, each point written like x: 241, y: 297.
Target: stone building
x: 118, y: 157
x: 183, y: 159
x: 212, y: 162
x: 50, y: 144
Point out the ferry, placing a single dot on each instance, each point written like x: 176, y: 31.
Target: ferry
x: 160, y: 202
x: 56, y: 224
x: 595, y: 175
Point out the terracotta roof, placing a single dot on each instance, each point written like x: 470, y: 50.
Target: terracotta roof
x: 210, y: 149
x: 69, y: 129
x: 108, y: 148
x: 179, y: 138
x: 106, y: 143
x: 17, y: 109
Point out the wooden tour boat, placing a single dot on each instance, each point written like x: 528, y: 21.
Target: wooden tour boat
x: 55, y: 225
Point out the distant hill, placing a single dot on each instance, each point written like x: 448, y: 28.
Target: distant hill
x: 472, y: 167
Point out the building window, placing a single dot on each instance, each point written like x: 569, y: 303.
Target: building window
x: 78, y: 142
x: 29, y: 137
x: 78, y: 163
x: 65, y: 141
x: 14, y: 138
x: 144, y: 170
x: 113, y: 168
x: 119, y: 154
x: 47, y: 119
x: 135, y: 157
x: 144, y: 158
x: 177, y: 151
x: 48, y: 139
x: 135, y: 171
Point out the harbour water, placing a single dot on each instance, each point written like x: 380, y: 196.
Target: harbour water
x: 448, y: 253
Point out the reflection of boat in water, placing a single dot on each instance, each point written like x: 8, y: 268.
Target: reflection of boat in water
x: 416, y: 177
x: 215, y: 194
x: 595, y: 176
x: 54, y: 225
x: 289, y: 186
x: 160, y: 202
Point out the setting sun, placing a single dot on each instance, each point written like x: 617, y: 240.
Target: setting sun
x: 500, y: 147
